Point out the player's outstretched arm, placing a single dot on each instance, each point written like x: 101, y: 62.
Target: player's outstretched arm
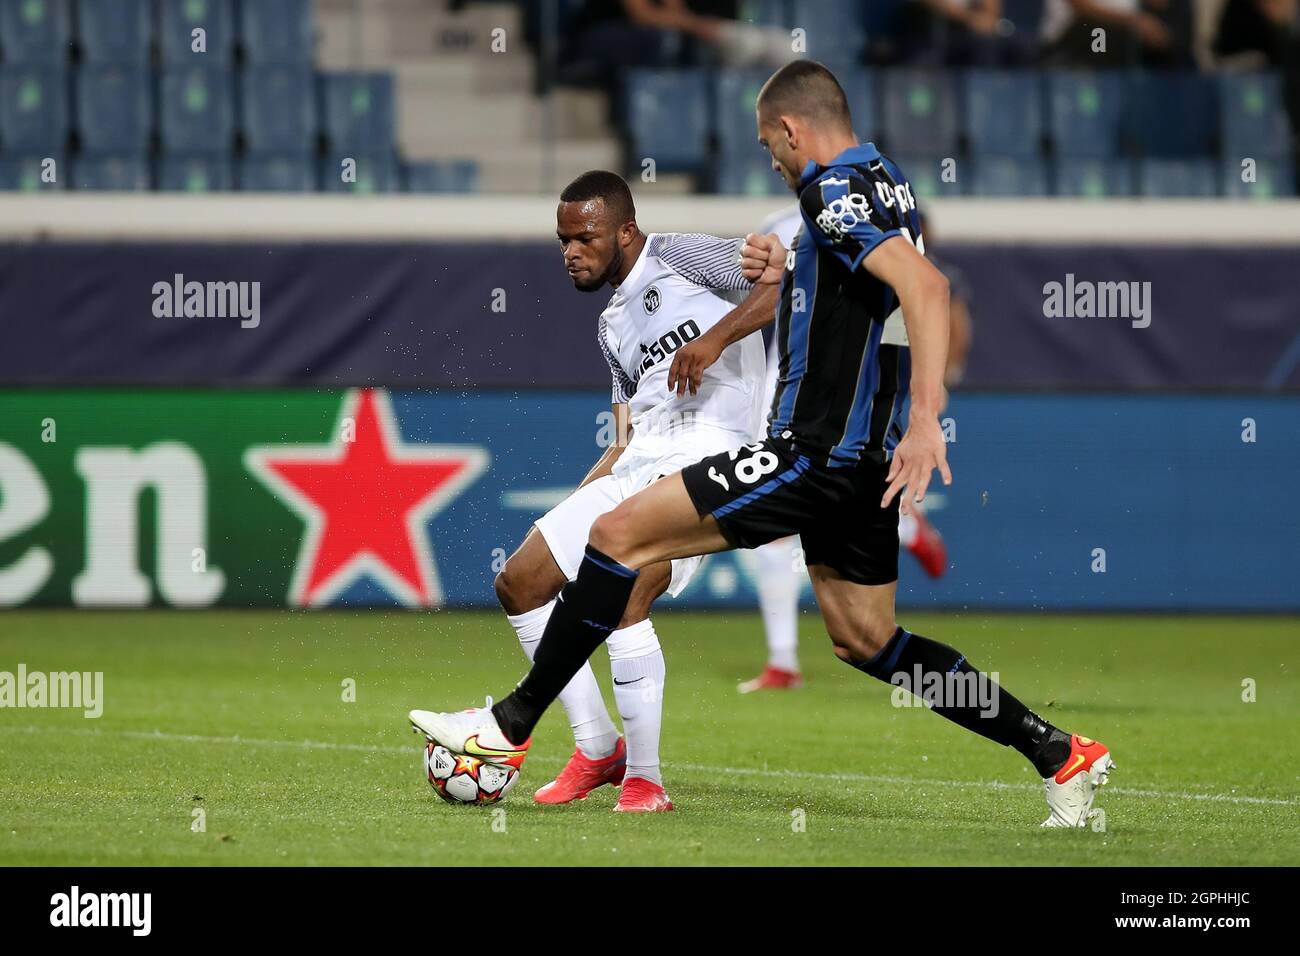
x: 622, y: 435
x: 923, y: 295
x: 692, y: 359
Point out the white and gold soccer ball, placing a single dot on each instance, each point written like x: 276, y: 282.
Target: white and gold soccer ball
x: 464, y: 778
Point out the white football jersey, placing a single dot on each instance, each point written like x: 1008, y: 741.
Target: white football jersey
x: 668, y: 299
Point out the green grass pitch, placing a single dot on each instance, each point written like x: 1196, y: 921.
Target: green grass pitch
x: 241, y: 714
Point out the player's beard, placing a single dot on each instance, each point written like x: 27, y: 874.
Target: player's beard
x: 611, y: 271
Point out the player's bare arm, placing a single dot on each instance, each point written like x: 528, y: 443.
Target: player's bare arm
x: 623, y: 435
x: 923, y: 296
x: 762, y: 258
x: 692, y: 360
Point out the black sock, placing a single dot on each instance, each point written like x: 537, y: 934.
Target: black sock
x: 589, y: 608
x: 943, y: 677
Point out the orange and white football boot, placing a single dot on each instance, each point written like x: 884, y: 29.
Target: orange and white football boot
x: 474, y: 732
x: 772, y: 678
x: 1071, y: 790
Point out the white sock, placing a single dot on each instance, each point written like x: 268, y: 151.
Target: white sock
x: 778, y: 598
x: 637, y: 664
x: 594, y: 732
x: 907, y: 529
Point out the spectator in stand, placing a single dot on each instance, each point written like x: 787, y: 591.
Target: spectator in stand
x: 1138, y: 32
x: 959, y: 33
x: 1270, y: 29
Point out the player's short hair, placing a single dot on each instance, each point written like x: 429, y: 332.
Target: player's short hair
x: 806, y: 89
x: 606, y: 186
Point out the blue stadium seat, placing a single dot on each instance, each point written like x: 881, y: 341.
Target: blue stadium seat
x: 357, y: 110
x: 456, y: 176
x: 667, y: 117
x: 195, y: 174
x: 195, y: 112
x: 287, y: 173
x: 1085, y: 112
x: 928, y: 177
x: 920, y: 111
x: 33, y: 109
x: 1009, y: 176
x: 835, y: 32
x: 114, y: 108
x: 180, y: 18
x: 276, y: 32
x: 734, y: 92
x: 115, y: 31
x: 764, y: 13
x: 1091, y: 178
x: 1178, y: 177
x: 1004, y: 112
x: 278, y: 105
x: 375, y: 173
x: 748, y: 172
x: 1274, y: 178
x: 120, y: 173
x: 1175, y: 114
x: 27, y: 174
x: 35, y: 31
x: 1252, y: 118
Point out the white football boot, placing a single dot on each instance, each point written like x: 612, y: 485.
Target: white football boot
x: 474, y: 732
x: 1071, y: 790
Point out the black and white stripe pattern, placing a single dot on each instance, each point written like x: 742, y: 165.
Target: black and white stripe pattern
x: 706, y: 260
x: 624, y: 387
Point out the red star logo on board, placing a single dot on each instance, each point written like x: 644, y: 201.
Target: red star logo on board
x: 367, y: 498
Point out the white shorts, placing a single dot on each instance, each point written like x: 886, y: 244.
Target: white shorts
x: 567, y: 526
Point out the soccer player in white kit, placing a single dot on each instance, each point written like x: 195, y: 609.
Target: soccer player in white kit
x: 666, y: 289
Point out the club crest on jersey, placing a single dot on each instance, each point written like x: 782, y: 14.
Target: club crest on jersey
x: 651, y: 300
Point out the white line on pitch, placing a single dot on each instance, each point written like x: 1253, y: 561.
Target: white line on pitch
x: 688, y: 767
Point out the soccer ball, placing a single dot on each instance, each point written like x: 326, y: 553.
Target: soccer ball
x: 462, y: 778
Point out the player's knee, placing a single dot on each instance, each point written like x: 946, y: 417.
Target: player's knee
x: 608, y: 533
x: 513, y: 591
x: 856, y: 642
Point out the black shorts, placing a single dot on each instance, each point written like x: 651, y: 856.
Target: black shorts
x: 770, y: 489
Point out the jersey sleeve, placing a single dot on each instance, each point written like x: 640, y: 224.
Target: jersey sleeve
x: 623, y: 387
x: 706, y: 260
x: 840, y: 210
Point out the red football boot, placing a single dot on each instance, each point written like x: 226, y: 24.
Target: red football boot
x: 581, y: 775
x: 772, y: 678
x: 928, y: 547
x: 640, y: 795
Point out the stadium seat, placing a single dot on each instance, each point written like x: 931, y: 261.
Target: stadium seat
x: 1009, y: 176
x: 1094, y: 178
x: 114, y: 109
x: 919, y: 111
x: 835, y: 33
x: 195, y: 114
x: 357, y: 110
x: 459, y: 176
x: 35, y: 31
x: 1178, y: 177
x: 33, y: 109
x: 178, y: 19
x: 1252, y: 118
x: 278, y: 108
x: 115, y: 31
x: 276, y: 32
x: 734, y: 92
x: 27, y: 174
x: 194, y: 174
x: 1274, y: 179
x: 667, y: 117
x: 764, y: 13
x: 927, y: 174
x: 1176, y: 114
x: 287, y: 173
x: 748, y: 172
x: 375, y: 173
x: 120, y: 173
x: 1085, y: 113
x: 1004, y: 112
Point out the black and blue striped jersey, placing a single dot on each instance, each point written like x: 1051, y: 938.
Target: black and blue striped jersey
x: 844, y: 364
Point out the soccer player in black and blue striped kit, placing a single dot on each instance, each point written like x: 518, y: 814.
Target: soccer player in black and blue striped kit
x: 836, y: 465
